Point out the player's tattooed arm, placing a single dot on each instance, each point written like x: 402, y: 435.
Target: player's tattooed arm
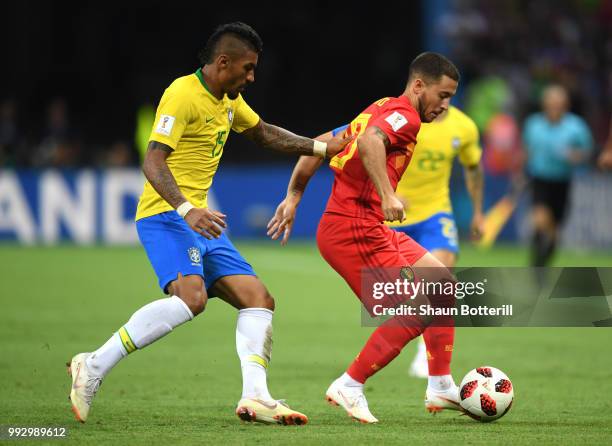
x: 276, y: 138
x: 383, y: 136
x: 205, y: 221
x: 159, y: 175
x: 372, y: 147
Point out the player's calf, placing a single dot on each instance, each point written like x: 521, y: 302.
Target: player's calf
x: 441, y: 390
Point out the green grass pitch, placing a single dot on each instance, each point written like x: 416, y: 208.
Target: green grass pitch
x: 182, y: 390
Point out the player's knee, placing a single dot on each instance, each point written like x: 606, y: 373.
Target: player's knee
x: 190, y: 290
x: 445, y: 256
x: 266, y: 300
x: 195, y: 300
x: 261, y: 299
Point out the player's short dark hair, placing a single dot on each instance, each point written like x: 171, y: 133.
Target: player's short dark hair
x: 432, y: 66
x: 239, y: 30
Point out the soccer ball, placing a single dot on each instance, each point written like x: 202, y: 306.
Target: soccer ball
x: 486, y: 394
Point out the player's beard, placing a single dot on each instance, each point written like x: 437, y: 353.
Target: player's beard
x: 234, y: 92
x: 421, y: 111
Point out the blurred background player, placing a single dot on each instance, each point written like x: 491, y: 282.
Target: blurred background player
x: 556, y: 142
x: 184, y: 241
x: 352, y: 236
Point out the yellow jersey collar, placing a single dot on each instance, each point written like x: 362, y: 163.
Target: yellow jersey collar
x: 200, y: 77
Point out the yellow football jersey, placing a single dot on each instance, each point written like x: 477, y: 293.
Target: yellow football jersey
x: 424, y: 184
x: 196, y: 125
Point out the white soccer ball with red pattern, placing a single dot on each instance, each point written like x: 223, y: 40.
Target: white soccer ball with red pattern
x: 486, y: 393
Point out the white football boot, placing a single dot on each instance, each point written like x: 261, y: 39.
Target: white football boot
x: 84, y: 386
x: 269, y: 412
x: 437, y: 401
x: 352, y: 400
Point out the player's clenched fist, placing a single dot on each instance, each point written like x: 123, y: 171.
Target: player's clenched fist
x: 393, y: 208
x: 206, y: 222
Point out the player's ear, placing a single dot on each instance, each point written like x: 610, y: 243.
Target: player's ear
x: 223, y: 61
x: 418, y: 85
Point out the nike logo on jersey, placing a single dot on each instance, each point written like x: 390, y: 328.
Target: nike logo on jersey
x: 209, y: 120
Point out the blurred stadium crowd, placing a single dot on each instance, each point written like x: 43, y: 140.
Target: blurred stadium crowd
x: 507, y: 52
x: 59, y: 143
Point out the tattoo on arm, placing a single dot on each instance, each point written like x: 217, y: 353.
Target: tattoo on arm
x: 383, y: 136
x: 155, y: 145
x: 372, y: 151
x: 276, y: 138
x: 159, y: 175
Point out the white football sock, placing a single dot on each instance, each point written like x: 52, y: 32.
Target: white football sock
x: 347, y: 381
x: 147, y: 325
x: 102, y: 360
x: 254, y: 347
x: 440, y: 383
x: 421, y: 350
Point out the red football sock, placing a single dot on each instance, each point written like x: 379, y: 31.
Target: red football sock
x: 439, y: 342
x: 439, y: 335
x: 383, y: 346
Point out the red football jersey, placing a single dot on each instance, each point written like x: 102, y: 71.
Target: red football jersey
x: 353, y: 193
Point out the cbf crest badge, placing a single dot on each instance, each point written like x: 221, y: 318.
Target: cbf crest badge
x: 194, y: 255
x: 230, y: 115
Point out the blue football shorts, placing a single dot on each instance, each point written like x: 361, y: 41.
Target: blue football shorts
x: 173, y: 248
x: 437, y: 232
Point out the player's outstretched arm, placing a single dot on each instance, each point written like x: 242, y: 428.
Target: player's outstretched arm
x: 305, y: 168
x: 372, y: 152
x: 474, y: 182
x: 276, y: 138
x: 156, y: 170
